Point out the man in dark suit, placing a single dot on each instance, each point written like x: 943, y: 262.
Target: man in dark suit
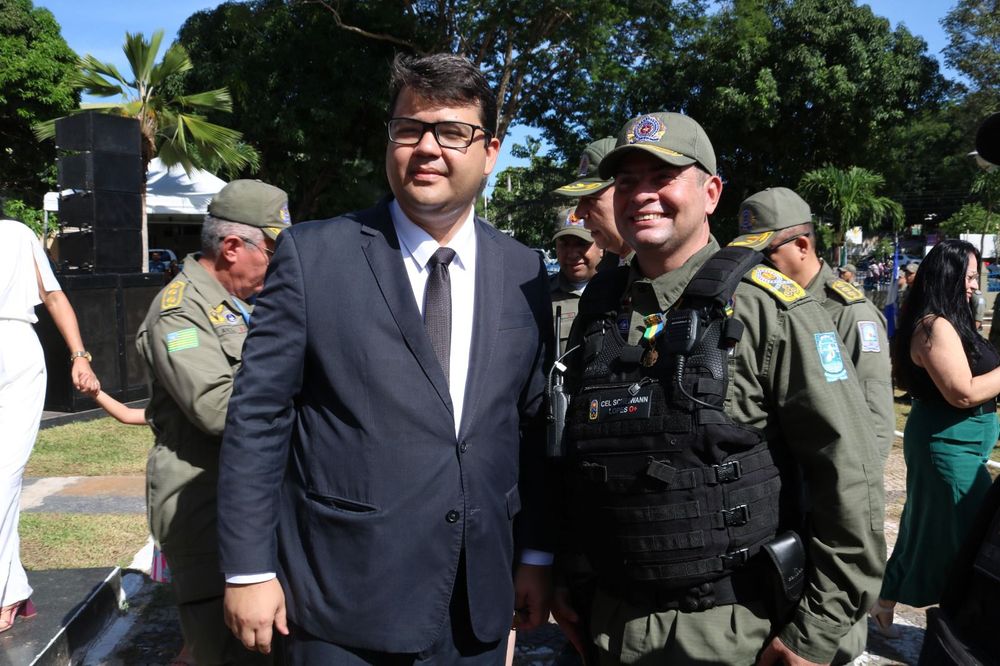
x: 385, y: 428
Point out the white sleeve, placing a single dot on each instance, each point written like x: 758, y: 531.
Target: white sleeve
x: 49, y: 282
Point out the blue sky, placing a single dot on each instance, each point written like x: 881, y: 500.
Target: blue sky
x: 98, y: 27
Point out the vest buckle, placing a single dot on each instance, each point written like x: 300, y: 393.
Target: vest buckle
x: 736, y: 516
x: 727, y: 472
x: 736, y: 558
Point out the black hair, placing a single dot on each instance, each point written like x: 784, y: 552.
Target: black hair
x: 445, y: 79
x: 938, y: 290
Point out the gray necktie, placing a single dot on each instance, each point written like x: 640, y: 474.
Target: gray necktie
x: 437, y: 305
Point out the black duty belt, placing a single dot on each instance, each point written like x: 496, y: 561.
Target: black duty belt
x: 746, y: 585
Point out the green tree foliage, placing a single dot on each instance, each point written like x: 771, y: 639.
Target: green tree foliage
x: 310, y: 97
x: 973, y: 28
x: 16, y: 209
x: 523, y: 202
x: 35, y: 68
x: 969, y: 219
x: 784, y: 86
x: 849, y: 197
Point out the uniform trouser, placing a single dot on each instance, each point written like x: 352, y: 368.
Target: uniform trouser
x: 22, y: 394
x: 210, y: 641
x: 626, y: 633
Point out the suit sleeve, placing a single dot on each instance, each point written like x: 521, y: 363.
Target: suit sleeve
x: 260, y: 422
x: 532, y: 529
x: 818, y: 401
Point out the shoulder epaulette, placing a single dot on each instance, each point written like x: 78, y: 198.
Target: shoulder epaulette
x: 784, y: 289
x: 172, y: 295
x: 845, y: 291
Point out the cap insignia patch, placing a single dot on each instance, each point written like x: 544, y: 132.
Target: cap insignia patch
x: 285, y: 216
x: 646, y: 129
x: 747, y: 220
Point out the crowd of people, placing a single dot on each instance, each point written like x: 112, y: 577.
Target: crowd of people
x: 360, y: 459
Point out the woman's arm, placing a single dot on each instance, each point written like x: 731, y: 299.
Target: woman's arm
x: 65, y: 318
x: 940, y: 352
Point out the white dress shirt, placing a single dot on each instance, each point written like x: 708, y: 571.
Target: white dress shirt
x: 417, y: 246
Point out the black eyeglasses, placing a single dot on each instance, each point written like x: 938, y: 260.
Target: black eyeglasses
x: 448, y: 134
x: 774, y: 248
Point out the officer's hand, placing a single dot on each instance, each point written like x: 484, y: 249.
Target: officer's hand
x: 532, y: 590
x: 777, y: 652
x: 569, y: 621
x: 251, y: 611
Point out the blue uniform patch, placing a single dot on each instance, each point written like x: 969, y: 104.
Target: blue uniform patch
x: 869, y: 336
x: 828, y: 348
x: 623, y: 324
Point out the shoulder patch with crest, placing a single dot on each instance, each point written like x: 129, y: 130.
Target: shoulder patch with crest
x: 172, y: 295
x: 845, y: 291
x: 783, y: 288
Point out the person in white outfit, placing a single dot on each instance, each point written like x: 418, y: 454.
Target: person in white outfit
x: 26, y: 280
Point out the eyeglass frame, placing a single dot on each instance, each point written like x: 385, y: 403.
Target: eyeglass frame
x: 433, y: 129
x: 767, y: 252
x: 268, y: 253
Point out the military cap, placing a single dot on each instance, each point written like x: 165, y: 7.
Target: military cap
x: 588, y: 181
x: 568, y: 224
x: 253, y: 203
x: 848, y: 268
x: 773, y: 209
x: 911, y: 267
x: 672, y: 137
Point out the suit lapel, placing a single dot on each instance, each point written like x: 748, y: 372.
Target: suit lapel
x: 381, y: 248
x: 485, y: 319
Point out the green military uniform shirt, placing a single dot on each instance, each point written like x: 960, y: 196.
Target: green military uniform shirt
x: 778, y: 383
x: 567, y: 298
x: 192, y: 340
x: 862, y: 328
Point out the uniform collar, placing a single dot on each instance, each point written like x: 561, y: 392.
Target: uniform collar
x: 668, y: 287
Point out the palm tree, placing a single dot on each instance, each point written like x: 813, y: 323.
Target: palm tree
x: 173, y: 126
x: 850, y: 197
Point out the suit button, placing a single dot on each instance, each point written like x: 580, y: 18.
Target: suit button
x: 452, y: 516
x: 463, y: 447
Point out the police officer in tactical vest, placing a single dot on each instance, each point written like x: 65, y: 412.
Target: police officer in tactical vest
x: 713, y: 407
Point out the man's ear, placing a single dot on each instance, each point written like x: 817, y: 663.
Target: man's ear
x: 229, y: 246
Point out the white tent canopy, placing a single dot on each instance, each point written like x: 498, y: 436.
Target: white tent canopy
x: 169, y: 192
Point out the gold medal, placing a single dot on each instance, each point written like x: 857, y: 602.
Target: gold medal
x: 650, y: 357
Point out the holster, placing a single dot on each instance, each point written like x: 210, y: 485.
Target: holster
x: 787, y: 557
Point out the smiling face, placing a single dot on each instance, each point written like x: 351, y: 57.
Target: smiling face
x: 437, y: 186
x: 577, y: 258
x: 662, y: 210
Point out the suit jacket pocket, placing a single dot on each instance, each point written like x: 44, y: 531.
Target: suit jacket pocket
x: 513, y: 498
x: 342, y: 504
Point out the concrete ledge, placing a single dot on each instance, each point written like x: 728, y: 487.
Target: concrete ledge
x: 65, y: 625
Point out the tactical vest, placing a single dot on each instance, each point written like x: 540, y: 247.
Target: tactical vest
x: 667, y: 491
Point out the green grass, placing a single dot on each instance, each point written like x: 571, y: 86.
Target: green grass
x: 93, y: 448
x: 72, y: 540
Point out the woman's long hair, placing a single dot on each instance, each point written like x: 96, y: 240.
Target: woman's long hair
x: 939, y: 290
